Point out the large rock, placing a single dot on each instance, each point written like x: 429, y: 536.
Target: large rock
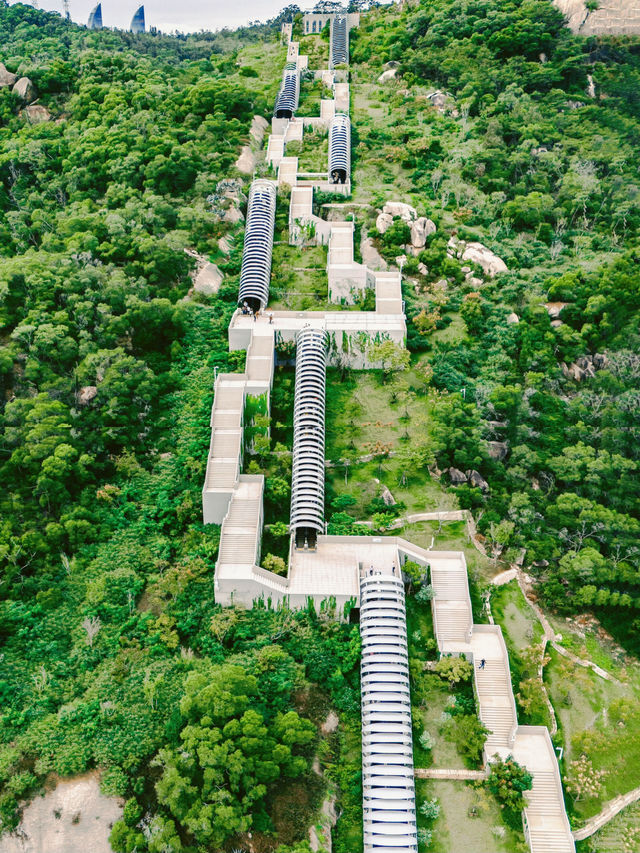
x: 209, y: 279
x: 476, y: 253
x: 25, y: 90
x: 498, y: 450
x: 600, y: 360
x: 399, y: 208
x: 387, y: 75
x: 384, y: 222
x: 232, y: 215
x: 477, y: 481
x: 246, y: 162
x: 512, y: 318
x: 457, y: 476
x: 420, y: 230
x: 36, y: 114
x: 86, y: 394
x: 258, y: 127
x: 6, y: 77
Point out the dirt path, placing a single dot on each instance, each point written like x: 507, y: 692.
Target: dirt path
x: 74, y: 817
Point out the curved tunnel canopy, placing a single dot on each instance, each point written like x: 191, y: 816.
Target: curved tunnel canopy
x: 307, y: 476
x: 339, y: 149
x: 255, y: 273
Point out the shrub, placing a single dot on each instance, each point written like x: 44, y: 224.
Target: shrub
x: 508, y: 781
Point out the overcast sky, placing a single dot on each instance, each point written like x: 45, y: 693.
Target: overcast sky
x: 170, y: 15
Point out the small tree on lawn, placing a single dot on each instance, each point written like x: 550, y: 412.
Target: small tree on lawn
x: 430, y: 809
x: 425, y: 593
x: 508, y: 781
x: 391, y: 357
x: 583, y: 781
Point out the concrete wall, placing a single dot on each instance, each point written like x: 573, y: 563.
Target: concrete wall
x: 612, y: 17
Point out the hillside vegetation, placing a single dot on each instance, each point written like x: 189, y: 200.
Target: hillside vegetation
x: 114, y: 653
x: 515, y: 152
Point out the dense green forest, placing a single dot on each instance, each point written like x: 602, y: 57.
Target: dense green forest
x: 112, y: 646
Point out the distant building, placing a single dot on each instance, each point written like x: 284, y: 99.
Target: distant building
x: 315, y: 20
x: 137, y: 22
x: 95, y: 18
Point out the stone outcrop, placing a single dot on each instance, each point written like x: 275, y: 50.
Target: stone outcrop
x: 512, y: 318
x: 209, y: 279
x: 384, y: 222
x: 478, y: 254
x: 6, y: 77
x: 25, y: 90
x: 584, y: 367
x: 86, y: 394
x: 246, y: 162
x: 387, y: 75
x: 612, y: 17
x: 36, y: 114
x: 498, y: 450
x: 457, y: 476
x: 399, y: 208
x: 420, y: 230
x: 257, y: 129
x: 477, y: 481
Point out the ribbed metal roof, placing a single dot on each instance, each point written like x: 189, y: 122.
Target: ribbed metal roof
x: 255, y: 273
x: 388, y: 793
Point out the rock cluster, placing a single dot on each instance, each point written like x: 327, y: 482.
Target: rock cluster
x: 478, y: 254
x: 459, y: 478
x: 22, y: 87
x: 226, y: 200
x: 420, y: 226
x: 584, y: 367
x: 26, y: 91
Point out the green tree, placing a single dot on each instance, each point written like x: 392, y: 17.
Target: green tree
x: 508, y: 781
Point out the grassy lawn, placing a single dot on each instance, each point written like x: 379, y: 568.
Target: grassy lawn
x: 312, y: 153
x: 299, y: 279
x: 520, y: 630
x: 621, y: 835
x: 519, y: 624
x: 600, y: 719
x: 454, y: 831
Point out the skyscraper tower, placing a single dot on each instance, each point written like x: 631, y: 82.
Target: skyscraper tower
x: 95, y: 18
x: 137, y: 22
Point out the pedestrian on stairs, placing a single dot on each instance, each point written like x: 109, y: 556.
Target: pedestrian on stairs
x: 482, y: 663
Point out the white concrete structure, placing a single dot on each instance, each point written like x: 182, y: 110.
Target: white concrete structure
x: 315, y: 22
x: 546, y: 824
x: 388, y: 790
x: 227, y: 415
x: 307, y: 476
x: 255, y: 274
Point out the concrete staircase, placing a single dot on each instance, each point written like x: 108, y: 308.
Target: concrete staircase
x: 388, y: 293
x: 546, y: 825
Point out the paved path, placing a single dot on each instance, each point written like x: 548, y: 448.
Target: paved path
x: 611, y: 809
x: 440, y: 773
